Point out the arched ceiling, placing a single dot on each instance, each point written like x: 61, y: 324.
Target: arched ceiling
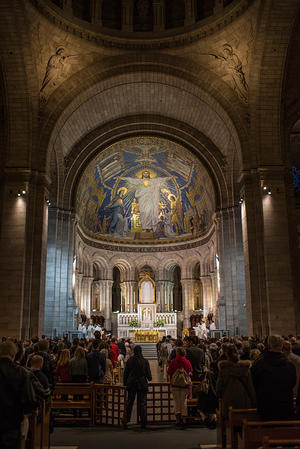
x: 145, y: 189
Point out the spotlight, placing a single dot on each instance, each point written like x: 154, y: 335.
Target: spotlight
x: 21, y: 192
x: 265, y: 188
x: 241, y: 200
x: 48, y: 202
x: 269, y: 191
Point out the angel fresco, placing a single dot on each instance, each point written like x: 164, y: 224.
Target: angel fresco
x: 234, y: 66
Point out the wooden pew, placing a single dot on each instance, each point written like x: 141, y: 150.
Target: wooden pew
x: 253, y: 432
x: 38, y: 436
x: 61, y: 405
x: 234, y: 424
x: 221, y: 427
x: 290, y: 443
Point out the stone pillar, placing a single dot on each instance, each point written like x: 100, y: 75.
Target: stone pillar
x: 87, y: 289
x: 158, y: 15
x: 108, y: 303
x: 231, y: 310
x: 127, y: 15
x: 78, y: 291
x: 96, y: 12
x: 207, y: 294
x: 23, y: 239
x: 187, y: 299
x: 59, y: 306
x: 190, y: 12
x: 268, y: 252
x: 214, y: 284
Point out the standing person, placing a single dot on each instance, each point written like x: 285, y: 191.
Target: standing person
x: 180, y: 387
x: 234, y: 383
x: 17, y: 397
x: 63, y: 366
x: 137, y: 373
x: 96, y: 364
x: 79, y: 366
x: 274, y: 377
x: 109, y: 371
x: 196, y: 357
x: 114, y: 351
x: 165, y: 352
x: 49, y: 365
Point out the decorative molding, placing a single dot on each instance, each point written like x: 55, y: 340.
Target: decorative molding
x: 125, y: 40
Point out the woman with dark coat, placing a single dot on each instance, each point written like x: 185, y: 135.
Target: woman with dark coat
x: 234, y: 383
x: 136, y: 376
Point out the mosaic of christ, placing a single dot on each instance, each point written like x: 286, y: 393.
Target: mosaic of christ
x: 145, y: 188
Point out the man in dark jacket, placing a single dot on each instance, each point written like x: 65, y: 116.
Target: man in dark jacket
x: 49, y: 365
x: 196, y: 357
x: 274, y: 378
x: 136, y: 376
x: 17, y: 397
x: 96, y: 364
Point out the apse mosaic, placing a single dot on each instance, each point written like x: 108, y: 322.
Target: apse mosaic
x: 145, y: 188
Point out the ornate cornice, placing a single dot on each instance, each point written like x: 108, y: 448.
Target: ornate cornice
x: 144, y: 247
x: 136, y: 41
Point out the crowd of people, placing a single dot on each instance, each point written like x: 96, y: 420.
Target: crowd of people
x: 244, y: 372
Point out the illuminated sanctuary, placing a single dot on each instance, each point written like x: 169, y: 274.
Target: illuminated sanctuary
x: 145, y: 212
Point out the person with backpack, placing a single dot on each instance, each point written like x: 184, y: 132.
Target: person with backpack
x: 180, y: 371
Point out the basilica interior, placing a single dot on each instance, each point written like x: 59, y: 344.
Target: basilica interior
x: 150, y: 166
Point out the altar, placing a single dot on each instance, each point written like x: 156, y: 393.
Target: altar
x: 148, y: 325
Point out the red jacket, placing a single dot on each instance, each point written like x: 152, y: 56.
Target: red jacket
x: 177, y: 363
x: 63, y: 373
x: 114, y: 353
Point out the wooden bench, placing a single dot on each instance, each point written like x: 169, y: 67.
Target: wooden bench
x: 289, y: 443
x: 253, y: 432
x: 67, y: 407
x: 235, y: 422
x: 38, y: 436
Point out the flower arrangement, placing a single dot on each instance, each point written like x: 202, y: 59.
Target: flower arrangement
x: 160, y: 323
x: 134, y: 323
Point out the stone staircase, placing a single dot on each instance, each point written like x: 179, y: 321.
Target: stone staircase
x: 149, y: 350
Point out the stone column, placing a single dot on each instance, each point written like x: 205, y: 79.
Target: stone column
x: 78, y: 290
x: 207, y: 294
x: 96, y: 12
x: 108, y: 303
x: 231, y: 309
x: 87, y: 286
x: 268, y: 252
x: 127, y: 15
x: 190, y: 12
x: 214, y: 284
x: 59, y: 307
x: 187, y: 299
x: 158, y: 15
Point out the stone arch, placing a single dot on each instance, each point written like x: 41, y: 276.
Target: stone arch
x: 60, y: 104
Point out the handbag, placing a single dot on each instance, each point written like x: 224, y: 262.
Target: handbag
x: 202, y: 386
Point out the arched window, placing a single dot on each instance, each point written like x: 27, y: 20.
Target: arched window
x: 82, y: 9
x: 205, y: 8
x: 175, y: 13
x: 143, y: 15
x: 116, y: 290
x: 111, y: 14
